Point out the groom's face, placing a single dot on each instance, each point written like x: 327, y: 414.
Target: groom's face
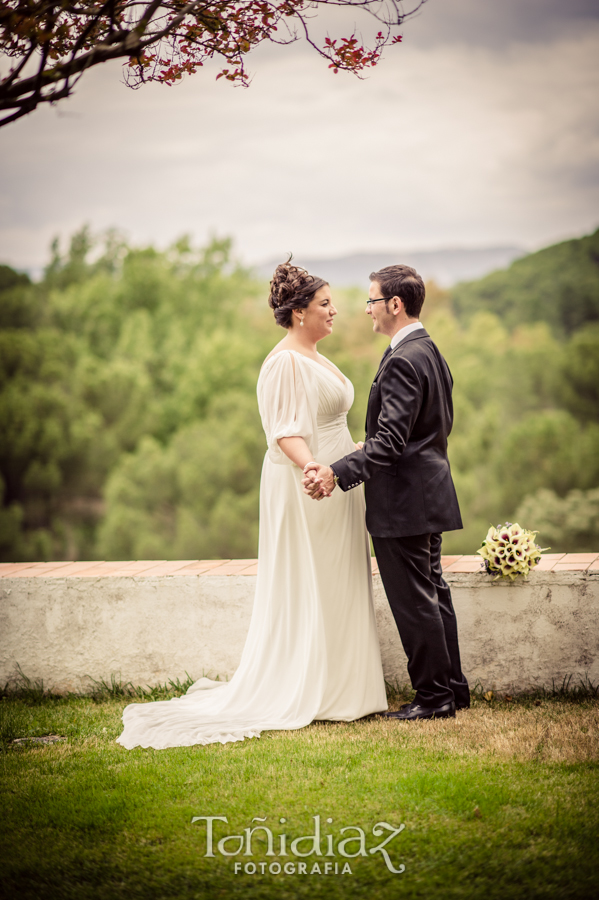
x: 381, y: 313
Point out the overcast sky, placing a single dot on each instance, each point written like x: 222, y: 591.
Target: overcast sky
x: 481, y: 128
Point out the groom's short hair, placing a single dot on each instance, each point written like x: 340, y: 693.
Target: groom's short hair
x: 404, y: 282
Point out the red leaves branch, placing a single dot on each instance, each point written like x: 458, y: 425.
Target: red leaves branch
x: 161, y: 40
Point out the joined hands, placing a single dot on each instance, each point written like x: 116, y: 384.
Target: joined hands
x: 319, y: 480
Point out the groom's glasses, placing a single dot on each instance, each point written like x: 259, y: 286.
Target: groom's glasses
x: 370, y: 302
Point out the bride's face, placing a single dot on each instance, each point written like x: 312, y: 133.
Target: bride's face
x: 319, y: 314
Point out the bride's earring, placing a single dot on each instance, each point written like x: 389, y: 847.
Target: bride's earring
x: 302, y: 323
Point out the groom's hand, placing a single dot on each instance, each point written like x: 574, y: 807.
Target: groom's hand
x: 311, y: 485
x: 318, y: 481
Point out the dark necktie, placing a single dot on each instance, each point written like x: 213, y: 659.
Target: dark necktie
x: 386, y: 354
x: 383, y: 358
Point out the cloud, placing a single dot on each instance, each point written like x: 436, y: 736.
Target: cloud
x: 496, y: 24
x: 455, y: 142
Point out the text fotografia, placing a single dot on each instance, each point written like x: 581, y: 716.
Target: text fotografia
x: 290, y: 868
x: 350, y: 842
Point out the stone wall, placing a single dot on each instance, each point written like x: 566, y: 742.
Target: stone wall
x: 146, y: 622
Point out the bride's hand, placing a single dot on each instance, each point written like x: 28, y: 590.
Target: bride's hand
x: 359, y: 445
x: 311, y: 485
x: 318, y: 480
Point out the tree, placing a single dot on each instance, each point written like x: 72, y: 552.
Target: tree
x: 580, y: 373
x: 51, y: 43
x: 569, y: 524
x: 130, y: 427
x: 558, y: 285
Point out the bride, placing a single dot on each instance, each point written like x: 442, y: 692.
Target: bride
x: 312, y: 649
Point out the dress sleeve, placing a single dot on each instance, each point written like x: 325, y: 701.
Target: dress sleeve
x: 288, y: 403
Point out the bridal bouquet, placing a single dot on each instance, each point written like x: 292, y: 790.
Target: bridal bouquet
x: 510, y: 550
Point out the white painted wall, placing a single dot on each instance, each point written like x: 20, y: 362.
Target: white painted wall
x: 147, y: 630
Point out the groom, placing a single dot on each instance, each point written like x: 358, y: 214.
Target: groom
x: 410, y: 497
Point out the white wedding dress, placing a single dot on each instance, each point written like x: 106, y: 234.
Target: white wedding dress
x: 312, y: 649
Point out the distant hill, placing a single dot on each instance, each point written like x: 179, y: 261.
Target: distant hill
x: 446, y: 266
x: 558, y: 285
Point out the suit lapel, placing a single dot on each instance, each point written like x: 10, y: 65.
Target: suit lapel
x: 414, y: 336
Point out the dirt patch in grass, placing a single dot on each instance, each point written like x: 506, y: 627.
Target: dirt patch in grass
x: 551, y: 732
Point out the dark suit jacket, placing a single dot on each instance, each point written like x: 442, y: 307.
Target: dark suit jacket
x: 409, y: 489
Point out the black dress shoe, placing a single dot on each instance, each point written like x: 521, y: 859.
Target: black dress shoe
x: 411, y: 711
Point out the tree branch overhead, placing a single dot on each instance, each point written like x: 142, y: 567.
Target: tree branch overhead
x: 163, y: 40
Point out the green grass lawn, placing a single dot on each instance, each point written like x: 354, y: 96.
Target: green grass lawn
x: 502, y: 802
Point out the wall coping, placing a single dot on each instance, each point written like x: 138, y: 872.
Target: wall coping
x: 550, y: 562
x: 66, y: 622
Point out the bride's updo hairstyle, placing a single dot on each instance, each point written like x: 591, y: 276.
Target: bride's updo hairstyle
x: 291, y: 288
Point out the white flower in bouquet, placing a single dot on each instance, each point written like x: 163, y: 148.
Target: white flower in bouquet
x: 509, y: 550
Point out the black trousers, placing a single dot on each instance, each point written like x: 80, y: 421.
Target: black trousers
x: 420, y: 601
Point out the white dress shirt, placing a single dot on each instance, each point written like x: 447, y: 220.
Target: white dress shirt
x: 404, y: 332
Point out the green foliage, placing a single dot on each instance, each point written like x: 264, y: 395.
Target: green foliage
x: 558, y: 285
x: 128, y: 407
x: 550, y: 449
x: 113, y: 400
x: 580, y: 374
x: 17, y: 303
x: 516, y: 430
x: 196, y: 497
x: 10, y: 279
x: 569, y: 524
